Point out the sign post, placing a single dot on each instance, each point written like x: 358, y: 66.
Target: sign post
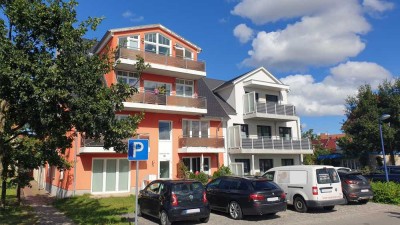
x: 138, y: 150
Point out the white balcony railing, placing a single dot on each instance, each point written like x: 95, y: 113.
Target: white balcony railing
x: 252, y: 106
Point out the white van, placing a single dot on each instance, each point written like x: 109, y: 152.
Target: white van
x: 308, y: 185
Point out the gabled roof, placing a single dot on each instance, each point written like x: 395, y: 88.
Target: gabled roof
x: 216, y: 107
x: 111, y: 32
x: 246, y: 75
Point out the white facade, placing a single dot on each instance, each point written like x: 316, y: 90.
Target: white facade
x: 265, y: 132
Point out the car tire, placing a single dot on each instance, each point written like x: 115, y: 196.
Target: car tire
x: 235, y: 211
x: 346, y: 200
x: 300, y: 205
x: 164, y: 220
x: 204, y: 220
x: 329, y: 208
x: 363, y: 201
x: 139, y: 210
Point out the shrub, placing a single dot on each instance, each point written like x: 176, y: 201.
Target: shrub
x: 386, y: 192
x: 222, y: 171
x: 183, y: 171
x: 200, y: 176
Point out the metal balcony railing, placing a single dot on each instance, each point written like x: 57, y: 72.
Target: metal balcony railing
x: 90, y: 142
x: 167, y: 60
x: 210, y: 141
x: 253, y: 106
x: 150, y: 97
x: 274, y: 143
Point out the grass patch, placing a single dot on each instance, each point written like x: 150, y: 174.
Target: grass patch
x: 15, y: 214
x: 88, y: 210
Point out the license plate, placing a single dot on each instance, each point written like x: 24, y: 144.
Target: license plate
x: 364, y: 190
x: 272, y: 199
x: 326, y: 190
x: 189, y: 211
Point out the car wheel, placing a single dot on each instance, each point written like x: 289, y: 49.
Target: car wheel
x: 164, y: 218
x: 363, y: 201
x: 138, y: 210
x: 235, y: 211
x: 331, y: 207
x: 204, y: 220
x: 346, y: 201
x: 300, y: 205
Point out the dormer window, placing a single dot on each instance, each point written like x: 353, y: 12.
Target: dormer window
x: 182, y: 52
x: 157, y: 43
x: 130, y: 42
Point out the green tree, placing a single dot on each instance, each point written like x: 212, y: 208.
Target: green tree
x: 318, y: 148
x: 362, y: 124
x: 51, y: 88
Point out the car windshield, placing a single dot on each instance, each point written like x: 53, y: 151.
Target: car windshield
x: 262, y: 185
x: 355, y: 177
x: 183, y: 188
x: 327, y: 176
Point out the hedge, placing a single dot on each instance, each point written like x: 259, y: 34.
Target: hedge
x: 386, y: 192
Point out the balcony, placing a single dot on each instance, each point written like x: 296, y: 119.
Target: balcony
x: 90, y: 145
x: 269, y: 145
x: 150, y: 101
x: 210, y: 144
x: 161, y: 64
x: 268, y: 110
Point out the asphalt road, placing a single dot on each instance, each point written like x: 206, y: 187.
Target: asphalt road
x: 354, y: 214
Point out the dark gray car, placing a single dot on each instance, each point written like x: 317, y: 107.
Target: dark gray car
x: 356, y: 188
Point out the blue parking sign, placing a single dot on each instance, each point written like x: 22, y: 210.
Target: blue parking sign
x: 138, y: 149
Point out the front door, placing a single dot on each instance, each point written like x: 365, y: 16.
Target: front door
x: 165, y: 148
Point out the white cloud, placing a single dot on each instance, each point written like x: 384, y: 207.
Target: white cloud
x: 243, y: 32
x: 132, y: 16
x: 377, y: 5
x: 324, y: 33
x: 327, y: 97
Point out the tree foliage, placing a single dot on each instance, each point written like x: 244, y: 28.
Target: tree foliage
x: 363, y: 113
x: 318, y: 148
x: 51, y: 88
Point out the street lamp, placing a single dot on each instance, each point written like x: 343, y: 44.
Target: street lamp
x: 381, y: 119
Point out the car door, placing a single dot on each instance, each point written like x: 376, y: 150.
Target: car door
x: 222, y: 197
x: 153, y: 198
x: 328, y: 184
x: 212, y: 192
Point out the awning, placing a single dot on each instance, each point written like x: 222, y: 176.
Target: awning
x: 330, y: 156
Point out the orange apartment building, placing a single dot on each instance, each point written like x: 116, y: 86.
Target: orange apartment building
x: 176, y: 120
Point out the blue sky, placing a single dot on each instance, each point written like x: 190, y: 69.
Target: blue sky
x: 323, y: 49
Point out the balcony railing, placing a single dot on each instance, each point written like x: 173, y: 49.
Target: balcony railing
x: 272, y: 143
x: 90, y: 142
x: 151, y: 57
x: 211, y: 142
x: 150, y: 97
x: 253, y: 106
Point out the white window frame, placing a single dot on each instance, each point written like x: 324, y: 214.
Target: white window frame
x: 185, y: 50
x: 158, y: 84
x: 191, y: 127
x: 130, y: 38
x: 128, y: 76
x: 184, y: 85
x: 105, y: 174
x: 194, y: 157
x: 158, y: 44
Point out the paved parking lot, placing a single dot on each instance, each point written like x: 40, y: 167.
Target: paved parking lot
x: 369, y: 214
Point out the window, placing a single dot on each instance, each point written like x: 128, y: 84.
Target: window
x: 287, y: 162
x: 327, y: 176
x: 266, y: 164
x: 110, y: 175
x: 246, y: 165
x: 195, y: 128
x: 182, y: 52
x: 264, y: 185
x: 271, y: 98
x: 157, y: 43
x: 161, y: 88
x: 128, y: 78
x: 164, y: 130
x: 270, y: 175
x: 285, y: 133
x: 194, y: 164
x: 244, y: 130
x: 164, y: 169
x: 184, y: 88
x: 264, y: 131
x: 130, y: 42
x: 154, y: 188
x: 214, y: 184
x: 257, y: 97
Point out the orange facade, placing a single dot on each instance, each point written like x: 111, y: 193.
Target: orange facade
x: 94, y: 167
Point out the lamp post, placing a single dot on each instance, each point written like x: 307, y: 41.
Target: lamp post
x: 381, y: 119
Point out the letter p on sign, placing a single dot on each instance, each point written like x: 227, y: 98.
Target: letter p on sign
x: 138, y: 149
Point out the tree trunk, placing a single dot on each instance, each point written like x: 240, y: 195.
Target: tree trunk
x: 19, y: 194
x: 3, y: 193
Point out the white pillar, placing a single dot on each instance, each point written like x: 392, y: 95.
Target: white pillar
x: 252, y: 165
x: 202, y: 163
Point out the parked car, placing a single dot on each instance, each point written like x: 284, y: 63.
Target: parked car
x: 241, y: 196
x: 174, y: 200
x: 308, y: 185
x: 379, y: 174
x: 356, y: 187
x: 340, y: 168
